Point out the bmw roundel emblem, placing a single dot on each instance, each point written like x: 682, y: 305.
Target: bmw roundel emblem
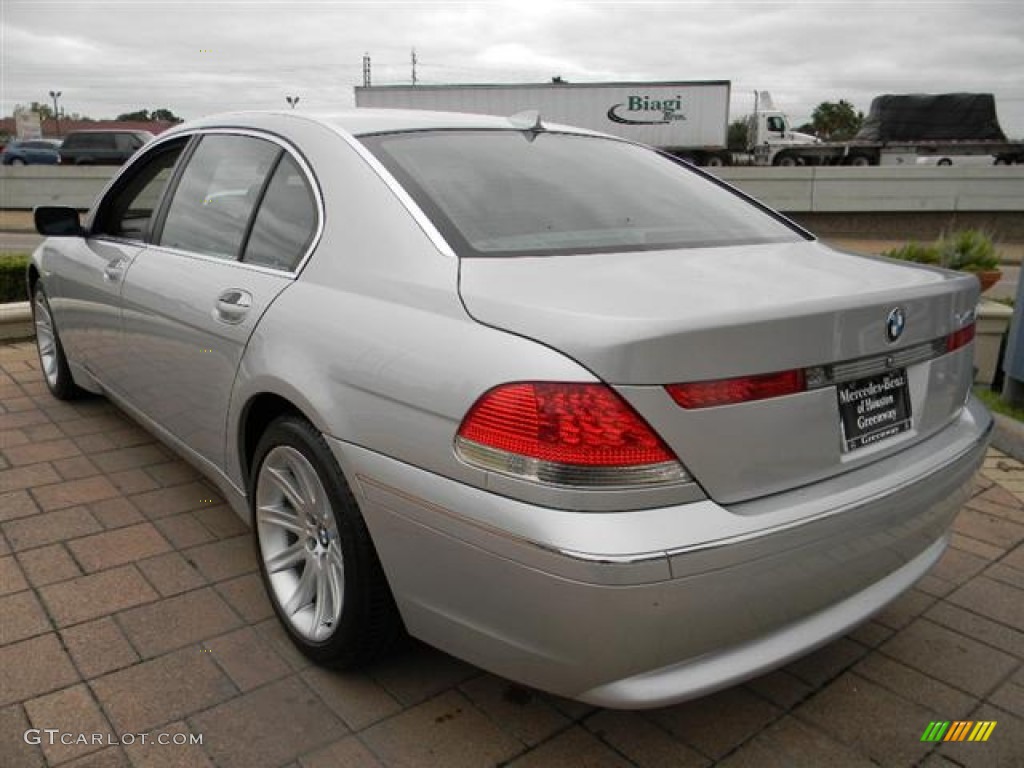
x: 894, y: 324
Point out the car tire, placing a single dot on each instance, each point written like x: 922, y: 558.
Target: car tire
x: 17, y: 161
x: 52, y: 361
x: 316, y: 557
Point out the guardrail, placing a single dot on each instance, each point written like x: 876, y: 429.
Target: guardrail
x: 793, y: 190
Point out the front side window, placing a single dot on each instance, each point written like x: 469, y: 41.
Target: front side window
x: 218, y: 191
x: 127, y: 211
x: 514, y: 193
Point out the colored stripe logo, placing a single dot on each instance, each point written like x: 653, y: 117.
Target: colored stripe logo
x: 959, y: 730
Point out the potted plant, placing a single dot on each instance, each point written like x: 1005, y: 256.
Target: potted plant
x: 967, y: 250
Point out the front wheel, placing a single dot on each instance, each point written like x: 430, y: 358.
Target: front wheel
x: 52, y: 360
x: 316, y: 557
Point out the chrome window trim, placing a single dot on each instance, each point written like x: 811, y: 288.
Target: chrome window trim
x: 219, y: 260
x: 421, y: 218
x: 285, y: 145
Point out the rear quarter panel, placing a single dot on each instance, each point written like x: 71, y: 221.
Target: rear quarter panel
x: 372, y: 342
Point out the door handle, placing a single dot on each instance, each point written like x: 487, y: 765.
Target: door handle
x: 233, y: 305
x: 114, y: 271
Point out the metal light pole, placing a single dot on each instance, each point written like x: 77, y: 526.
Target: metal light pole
x: 292, y: 101
x: 56, y: 110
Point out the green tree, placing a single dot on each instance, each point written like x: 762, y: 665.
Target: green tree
x: 142, y: 114
x: 836, y: 121
x: 165, y: 114
x: 45, y: 110
x: 737, y: 140
x: 146, y: 116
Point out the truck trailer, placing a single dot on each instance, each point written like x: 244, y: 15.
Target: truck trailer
x: 687, y: 119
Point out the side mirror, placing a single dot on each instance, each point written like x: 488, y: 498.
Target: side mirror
x: 57, y: 221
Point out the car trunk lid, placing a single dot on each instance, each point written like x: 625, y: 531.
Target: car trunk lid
x: 642, y: 321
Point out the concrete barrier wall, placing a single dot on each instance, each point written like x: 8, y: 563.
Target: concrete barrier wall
x: 883, y: 189
x: 25, y: 187
x: 793, y: 190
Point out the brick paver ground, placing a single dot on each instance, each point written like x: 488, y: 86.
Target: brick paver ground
x: 130, y: 604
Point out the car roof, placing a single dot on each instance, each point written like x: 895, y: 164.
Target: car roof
x: 363, y: 122
x: 110, y: 130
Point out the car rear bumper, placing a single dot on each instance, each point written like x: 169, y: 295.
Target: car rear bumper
x: 567, y: 602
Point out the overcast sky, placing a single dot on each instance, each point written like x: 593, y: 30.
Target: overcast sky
x: 197, y: 57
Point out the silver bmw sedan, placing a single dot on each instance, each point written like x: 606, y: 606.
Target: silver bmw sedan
x: 558, y: 404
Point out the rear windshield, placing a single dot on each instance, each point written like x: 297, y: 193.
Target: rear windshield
x: 514, y: 193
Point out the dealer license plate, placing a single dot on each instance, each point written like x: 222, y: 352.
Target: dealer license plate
x: 873, y: 409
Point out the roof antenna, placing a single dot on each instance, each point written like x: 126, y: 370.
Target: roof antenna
x: 527, y: 120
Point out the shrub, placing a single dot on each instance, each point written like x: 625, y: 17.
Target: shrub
x: 12, y: 277
x: 970, y: 250
x: 916, y: 252
x: 967, y: 250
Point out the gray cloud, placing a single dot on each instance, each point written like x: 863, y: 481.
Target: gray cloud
x: 202, y: 57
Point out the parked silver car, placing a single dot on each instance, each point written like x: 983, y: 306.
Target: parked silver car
x: 557, y: 404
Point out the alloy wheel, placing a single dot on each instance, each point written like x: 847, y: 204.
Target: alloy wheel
x: 299, y: 544
x: 46, y: 339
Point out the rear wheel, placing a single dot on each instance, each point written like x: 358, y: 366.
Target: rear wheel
x: 860, y: 161
x: 787, y: 161
x: 945, y: 161
x: 318, y: 562
x: 17, y: 161
x: 52, y: 360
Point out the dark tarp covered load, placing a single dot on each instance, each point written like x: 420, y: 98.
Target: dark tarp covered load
x: 938, y: 117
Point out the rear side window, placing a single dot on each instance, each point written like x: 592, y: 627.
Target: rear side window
x: 96, y: 141
x: 214, y: 200
x: 89, y: 141
x: 286, y: 220
x: 127, y: 142
x: 514, y: 193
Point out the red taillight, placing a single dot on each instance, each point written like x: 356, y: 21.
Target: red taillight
x: 564, y: 433
x: 742, y: 389
x: 584, y: 424
x: 960, y: 338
